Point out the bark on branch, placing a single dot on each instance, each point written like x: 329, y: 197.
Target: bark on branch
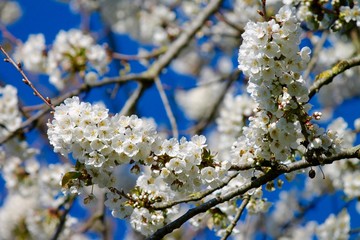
x: 272, y: 174
x: 327, y: 76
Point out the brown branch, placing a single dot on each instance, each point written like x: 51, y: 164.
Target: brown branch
x: 167, y: 107
x: 354, y: 231
x: 8, y: 35
x: 153, y: 54
x: 233, y: 25
x: 25, y: 78
x: 272, y: 174
x: 184, y: 38
x: 195, y: 197
x: 239, y: 212
x: 327, y: 76
x: 200, y: 126
x: 264, y: 12
x: 68, y: 205
x: 24, y: 125
x: 133, y: 99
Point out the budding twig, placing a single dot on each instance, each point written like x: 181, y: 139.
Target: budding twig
x: 25, y: 79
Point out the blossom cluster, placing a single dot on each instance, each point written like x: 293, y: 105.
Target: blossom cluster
x: 280, y: 127
x: 10, y: 11
x: 341, y: 175
x: 322, y: 14
x: 335, y: 227
x: 349, y: 14
x: 151, y: 22
x: 33, y: 195
x: 10, y: 117
x: 71, y: 52
x: 102, y: 143
x: 141, y: 175
x: 94, y: 138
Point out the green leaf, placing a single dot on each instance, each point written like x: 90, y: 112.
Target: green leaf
x: 79, y: 166
x: 68, y: 177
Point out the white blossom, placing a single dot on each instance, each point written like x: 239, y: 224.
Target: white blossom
x: 335, y: 227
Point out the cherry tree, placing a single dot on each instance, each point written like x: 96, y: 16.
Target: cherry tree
x: 251, y: 144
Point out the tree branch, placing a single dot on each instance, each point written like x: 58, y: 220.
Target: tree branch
x: 195, y: 197
x: 327, y: 76
x: 69, y: 202
x: 142, y: 78
x: 272, y: 174
x: 146, y: 76
x: 239, y: 212
x: 186, y: 35
x: 132, y: 100
x: 153, y: 54
x: 167, y: 107
x: 198, y: 128
x: 25, y: 78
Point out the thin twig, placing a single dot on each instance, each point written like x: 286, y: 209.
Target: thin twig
x: 167, y: 107
x: 68, y: 205
x: 133, y: 99
x: 233, y: 25
x: 18, y: 67
x: 354, y: 231
x: 264, y: 12
x: 239, y: 212
x: 24, y: 125
x: 200, y: 126
x: 8, y: 35
x: 32, y: 108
